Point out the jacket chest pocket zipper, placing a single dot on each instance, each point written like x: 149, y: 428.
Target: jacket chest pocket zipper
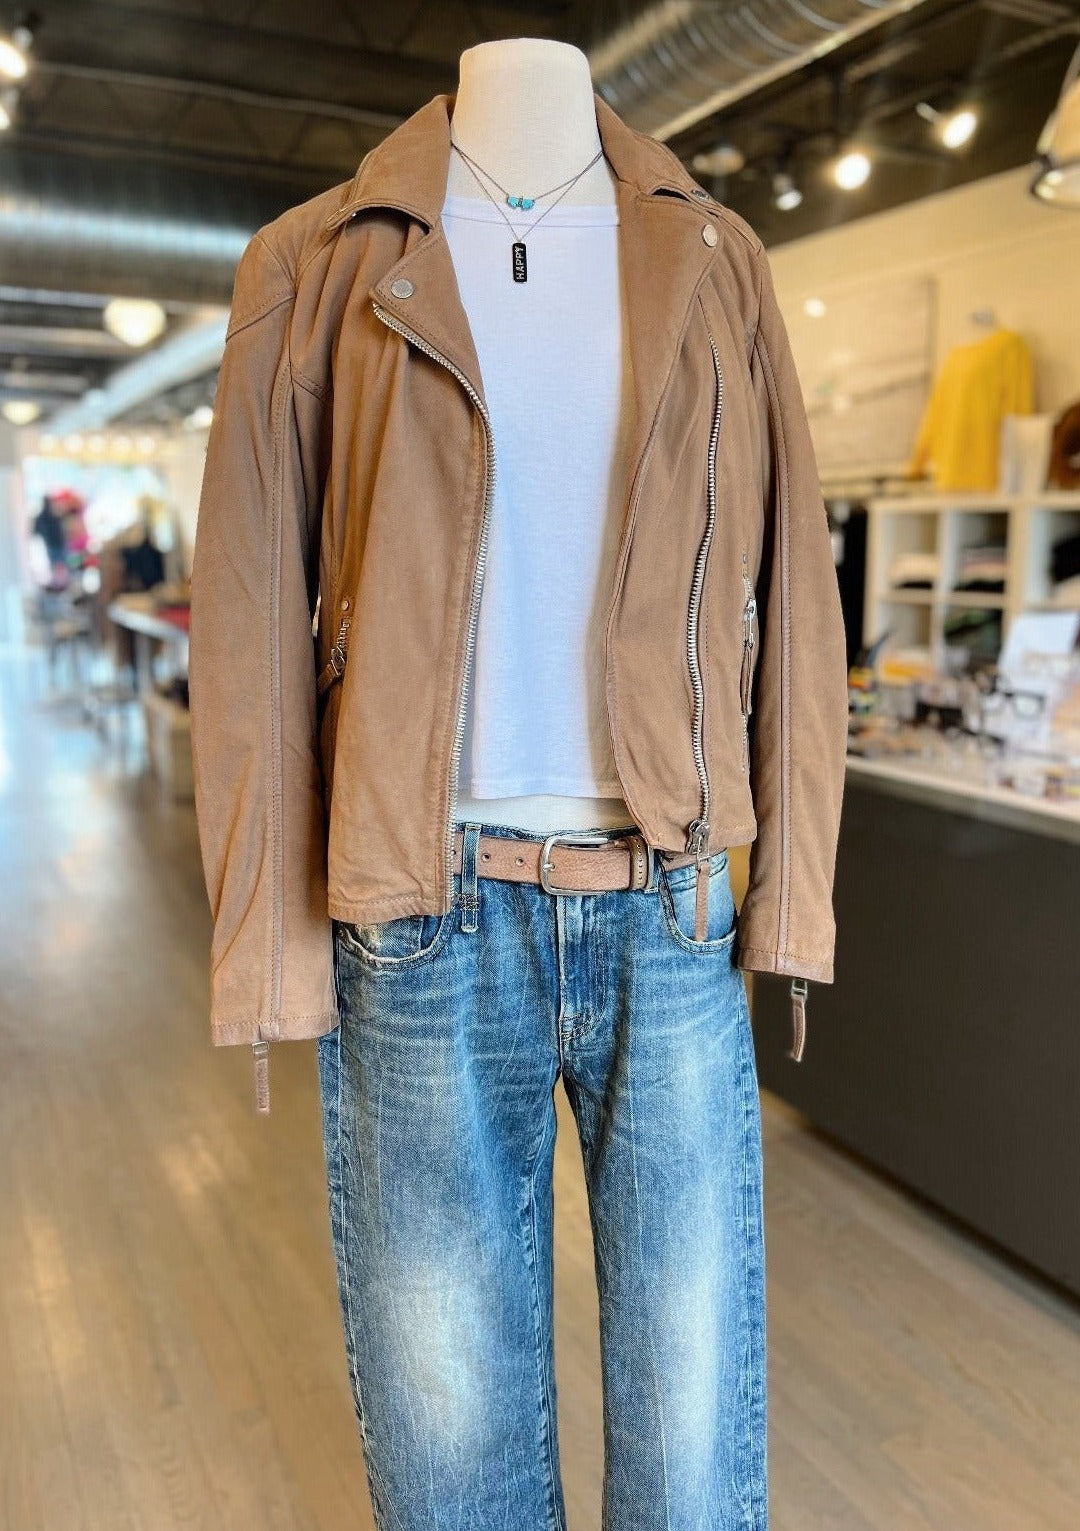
x: 746, y: 672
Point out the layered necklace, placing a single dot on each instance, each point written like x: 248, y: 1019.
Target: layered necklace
x: 518, y: 266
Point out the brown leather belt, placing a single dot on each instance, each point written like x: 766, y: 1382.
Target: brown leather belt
x: 572, y: 861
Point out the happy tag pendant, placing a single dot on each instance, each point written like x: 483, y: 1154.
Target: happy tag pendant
x: 517, y: 261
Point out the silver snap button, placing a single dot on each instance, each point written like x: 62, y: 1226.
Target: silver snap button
x: 402, y: 287
x: 709, y: 234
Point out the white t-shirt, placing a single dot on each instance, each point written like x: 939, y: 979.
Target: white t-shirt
x: 554, y: 371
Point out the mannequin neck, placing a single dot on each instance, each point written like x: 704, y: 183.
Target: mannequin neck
x: 524, y: 111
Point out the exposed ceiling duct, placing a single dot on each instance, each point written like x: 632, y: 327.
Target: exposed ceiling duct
x: 77, y: 225
x: 682, y: 60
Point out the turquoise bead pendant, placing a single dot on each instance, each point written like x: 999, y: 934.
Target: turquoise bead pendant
x: 525, y: 202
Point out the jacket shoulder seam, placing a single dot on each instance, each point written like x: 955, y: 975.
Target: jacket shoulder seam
x: 738, y: 226
x: 249, y: 316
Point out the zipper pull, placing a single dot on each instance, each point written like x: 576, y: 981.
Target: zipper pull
x: 261, y: 1054
x: 798, y: 1018
x: 697, y: 841
x: 697, y: 838
x: 335, y: 667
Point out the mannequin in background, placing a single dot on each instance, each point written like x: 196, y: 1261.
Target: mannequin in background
x: 987, y: 374
x: 437, y: 1087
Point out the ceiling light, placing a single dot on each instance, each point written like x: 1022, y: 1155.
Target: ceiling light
x: 954, y: 122
x: 20, y: 411
x: 786, y: 195
x: 724, y: 159
x: 13, y: 65
x: 200, y: 418
x: 958, y: 127
x: 851, y: 170
x: 135, y: 321
x: 814, y: 307
x: 1057, y: 179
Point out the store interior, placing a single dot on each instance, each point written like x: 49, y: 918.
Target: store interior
x: 169, y: 1331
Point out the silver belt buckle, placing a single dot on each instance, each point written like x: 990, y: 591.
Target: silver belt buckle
x: 583, y: 837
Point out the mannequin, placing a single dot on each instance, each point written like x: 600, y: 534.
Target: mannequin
x: 606, y: 961
x: 524, y: 113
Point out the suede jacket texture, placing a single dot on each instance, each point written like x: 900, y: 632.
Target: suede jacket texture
x: 338, y: 565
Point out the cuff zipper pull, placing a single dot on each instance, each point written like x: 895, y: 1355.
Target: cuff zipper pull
x: 261, y: 1053
x: 798, y: 1018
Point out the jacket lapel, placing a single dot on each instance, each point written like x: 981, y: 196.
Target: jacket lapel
x: 662, y: 254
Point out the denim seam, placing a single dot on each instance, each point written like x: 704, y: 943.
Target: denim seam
x: 751, y: 1346
x: 538, y: 1336
x: 378, y: 1496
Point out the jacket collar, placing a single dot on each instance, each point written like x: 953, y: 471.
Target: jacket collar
x: 667, y: 243
x: 408, y: 169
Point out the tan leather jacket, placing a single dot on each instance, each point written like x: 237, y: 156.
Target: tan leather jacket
x: 339, y: 559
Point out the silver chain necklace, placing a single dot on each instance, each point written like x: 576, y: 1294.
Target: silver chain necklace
x: 518, y: 265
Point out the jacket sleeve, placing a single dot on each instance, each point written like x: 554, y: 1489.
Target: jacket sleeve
x: 251, y: 672
x: 799, y: 715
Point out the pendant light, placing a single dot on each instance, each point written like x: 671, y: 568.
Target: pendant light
x: 1058, y: 149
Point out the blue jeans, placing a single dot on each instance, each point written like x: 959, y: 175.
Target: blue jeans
x: 439, y: 1133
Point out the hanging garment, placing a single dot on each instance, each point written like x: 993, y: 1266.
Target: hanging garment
x: 960, y: 431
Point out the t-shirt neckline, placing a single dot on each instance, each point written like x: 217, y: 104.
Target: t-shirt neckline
x: 482, y: 210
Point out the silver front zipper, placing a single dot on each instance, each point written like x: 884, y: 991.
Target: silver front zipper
x: 697, y: 837
x: 749, y: 612
x: 478, y: 574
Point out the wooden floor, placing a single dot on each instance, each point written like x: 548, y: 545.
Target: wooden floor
x: 170, y: 1350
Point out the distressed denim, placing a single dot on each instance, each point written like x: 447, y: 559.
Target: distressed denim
x: 439, y: 1122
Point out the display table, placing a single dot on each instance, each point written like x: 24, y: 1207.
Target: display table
x: 947, y: 1051
x: 139, y: 612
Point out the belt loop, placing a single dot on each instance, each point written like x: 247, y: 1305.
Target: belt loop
x: 470, y: 897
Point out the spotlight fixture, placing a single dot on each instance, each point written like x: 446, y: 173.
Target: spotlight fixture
x: 851, y: 170
x: 135, y: 321
x: 15, y: 47
x: 1057, y: 180
x: 954, y: 121
x: 959, y: 127
x: 786, y: 195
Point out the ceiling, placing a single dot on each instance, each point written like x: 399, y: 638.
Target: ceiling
x: 151, y: 137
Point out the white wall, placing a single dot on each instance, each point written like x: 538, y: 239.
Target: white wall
x: 183, y: 466
x: 987, y: 244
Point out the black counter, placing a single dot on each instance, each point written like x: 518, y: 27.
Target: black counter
x: 947, y: 1051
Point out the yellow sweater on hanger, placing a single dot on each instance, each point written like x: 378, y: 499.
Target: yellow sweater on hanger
x: 960, y: 432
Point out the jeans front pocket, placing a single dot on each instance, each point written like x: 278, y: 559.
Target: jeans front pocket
x: 403, y: 942
x: 678, y: 901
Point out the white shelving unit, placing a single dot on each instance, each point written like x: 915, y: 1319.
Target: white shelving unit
x: 945, y: 524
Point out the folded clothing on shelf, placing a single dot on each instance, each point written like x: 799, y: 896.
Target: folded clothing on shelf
x: 914, y: 570
x: 981, y: 567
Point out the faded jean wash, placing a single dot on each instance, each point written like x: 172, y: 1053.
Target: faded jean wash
x: 439, y: 1123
